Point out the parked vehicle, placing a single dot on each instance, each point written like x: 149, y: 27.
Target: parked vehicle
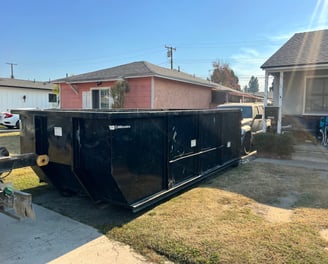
x: 251, y: 122
x: 9, y: 120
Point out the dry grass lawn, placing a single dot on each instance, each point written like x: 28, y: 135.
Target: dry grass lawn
x: 255, y: 213
x: 24, y: 178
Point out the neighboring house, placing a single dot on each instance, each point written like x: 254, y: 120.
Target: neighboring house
x: 262, y: 94
x: 300, y: 85
x: 222, y: 94
x: 149, y: 86
x: 26, y: 94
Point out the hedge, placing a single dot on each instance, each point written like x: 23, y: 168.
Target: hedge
x: 275, y: 145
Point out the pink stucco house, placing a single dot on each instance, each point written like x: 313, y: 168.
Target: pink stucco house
x: 150, y: 86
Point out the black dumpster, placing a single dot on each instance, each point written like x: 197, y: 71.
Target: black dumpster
x: 130, y: 157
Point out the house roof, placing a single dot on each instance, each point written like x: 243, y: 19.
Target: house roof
x: 133, y: 70
x: 234, y: 92
x: 15, y: 83
x: 303, y: 49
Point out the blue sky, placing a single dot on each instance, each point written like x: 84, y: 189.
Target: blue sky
x: 47, y: 38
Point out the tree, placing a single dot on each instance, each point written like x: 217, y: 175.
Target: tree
x: 118, y: 93
x: 222, y: 74
x: 253, y: 85
x: 56, y: 91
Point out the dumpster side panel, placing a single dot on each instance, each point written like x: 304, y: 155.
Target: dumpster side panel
x: 138, y: 156
x: 182, y: 145
x: 53, y: 136
x: 60, y: 131
x: 92, y: 159
x: 60, y: 176
x: 183, y: 135
x: 210, y: 129
x: 38, y: 135
x: 27, y: 134
x: 231, y: 137
x: 41, y: 134
x: 183, y: 169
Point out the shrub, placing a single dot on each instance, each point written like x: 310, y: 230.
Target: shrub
x: 274, y: 145
x: 118, y: 93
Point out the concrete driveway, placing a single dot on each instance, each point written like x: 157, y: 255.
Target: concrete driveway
x: 53, y: 238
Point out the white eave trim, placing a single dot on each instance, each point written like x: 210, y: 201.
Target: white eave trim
x: 143, y: 76
x: 178, y: 80
x: 297, y: 68
x: 25, y: 87
x: 89, y: 81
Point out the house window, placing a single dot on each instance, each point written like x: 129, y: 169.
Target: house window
x: 101, y: 99
x: 316, y: 95
x: 52, y: 98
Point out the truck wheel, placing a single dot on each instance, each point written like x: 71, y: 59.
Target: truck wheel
x: 247, y: 144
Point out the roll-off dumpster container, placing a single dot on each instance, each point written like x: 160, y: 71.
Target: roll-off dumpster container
x: 132, y: 158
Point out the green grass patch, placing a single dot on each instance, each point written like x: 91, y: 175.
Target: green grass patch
x: 23, y: 179
x: 26, y: 180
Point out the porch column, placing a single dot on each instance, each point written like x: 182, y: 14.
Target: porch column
x: 266, y: 84
x: 281, y: 89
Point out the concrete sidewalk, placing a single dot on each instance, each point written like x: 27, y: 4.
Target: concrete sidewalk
x: 53, y: 238
x: 295, y: 163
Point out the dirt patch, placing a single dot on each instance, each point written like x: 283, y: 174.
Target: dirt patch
x: 324, y: 234
x: 280, y: 211
x: 273, y: 214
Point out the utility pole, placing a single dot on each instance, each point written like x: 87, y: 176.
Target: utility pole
x: 170, y: 54
x: 12, y: 69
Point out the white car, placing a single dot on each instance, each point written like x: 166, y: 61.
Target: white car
x: 9, y: 120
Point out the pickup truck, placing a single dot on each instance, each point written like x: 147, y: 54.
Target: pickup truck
x: 251, y: 122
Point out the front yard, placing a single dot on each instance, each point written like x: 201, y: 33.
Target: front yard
x: 250, y: 214
x: 255, y: 213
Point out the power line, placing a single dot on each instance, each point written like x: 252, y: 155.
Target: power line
x: 12, y: 68
x: 170, y: 54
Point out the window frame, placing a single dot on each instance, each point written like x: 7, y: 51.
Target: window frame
x: 52, y: 98
x: 100, y: 89
x: 322, y: 95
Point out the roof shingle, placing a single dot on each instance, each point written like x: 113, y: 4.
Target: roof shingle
x: 135, y: 69
x: 16, y: 83
x: 307, y: 48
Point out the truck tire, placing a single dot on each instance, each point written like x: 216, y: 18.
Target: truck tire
x: 247, y: 144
